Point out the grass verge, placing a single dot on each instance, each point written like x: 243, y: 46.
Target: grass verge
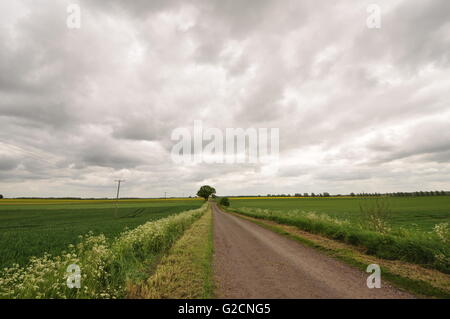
x: 186, y: 271
x: 423, y: 282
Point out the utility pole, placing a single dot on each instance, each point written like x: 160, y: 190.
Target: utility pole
x: 117, y: 196
x: 165, y: 195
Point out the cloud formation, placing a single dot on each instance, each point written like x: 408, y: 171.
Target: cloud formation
x: 358, y: 109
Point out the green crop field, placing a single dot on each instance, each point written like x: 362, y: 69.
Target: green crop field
x: 410, y: 212
x: 33, y: 227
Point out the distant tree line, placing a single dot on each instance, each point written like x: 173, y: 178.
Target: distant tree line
x: 421, y: 193
x: 403, y: 194
x: 395, y: 194
x: 325, y: 194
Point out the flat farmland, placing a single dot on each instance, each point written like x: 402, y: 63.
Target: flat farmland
x: 32, y: 227
x: 420, y: 213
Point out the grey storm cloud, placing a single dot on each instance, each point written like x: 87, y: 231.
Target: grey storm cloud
x: 7, y: 163
x: 358, y: 109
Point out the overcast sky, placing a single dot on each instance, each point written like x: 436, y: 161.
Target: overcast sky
x: 358, y: 109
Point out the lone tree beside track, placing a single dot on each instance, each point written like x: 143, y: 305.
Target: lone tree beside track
x: 205, y: 191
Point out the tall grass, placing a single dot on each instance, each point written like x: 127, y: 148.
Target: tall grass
x: 376, y: 214
x: 106, y: 267
x: 430, y: 249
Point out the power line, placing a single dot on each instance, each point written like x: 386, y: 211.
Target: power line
x: 30, y: 153
x: 119, y: 181
x: 118, y: 186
